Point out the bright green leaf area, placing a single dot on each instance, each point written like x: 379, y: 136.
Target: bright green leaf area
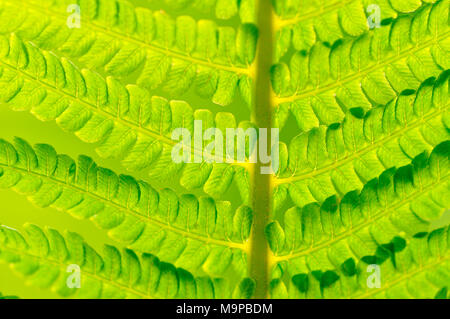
x: 358, y: 206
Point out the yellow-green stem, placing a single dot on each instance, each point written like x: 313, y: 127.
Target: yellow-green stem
x: 262, y: 183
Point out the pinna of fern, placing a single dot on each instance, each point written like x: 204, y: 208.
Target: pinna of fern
x: 344, y: 157
x: 301, y: 24
x: 120, y: 39
x: 320, y: 85
x: 43, y: 258
x: 416, y: 268
x: 126, y: 121
x: 362, y: 228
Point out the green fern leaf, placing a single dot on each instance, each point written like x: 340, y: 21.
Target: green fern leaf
x: 402, y: 201
x: 419, y: 269
x: 127, y: 38
x: 342, y: 158
x: 197, y: 233
x: 355, y: 93
x: 366, y: 71
x: 305, y: 23
x: 45, y: 257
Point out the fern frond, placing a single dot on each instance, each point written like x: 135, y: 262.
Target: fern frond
x: 120, y: 38
x: 126, y: 121
x: 195, y: 233
x: 44, y: 259
x: 323, y: 251
x: 417, y: 267
x: 320, y: 87
x: 338, y: 159
x: 302, y: 24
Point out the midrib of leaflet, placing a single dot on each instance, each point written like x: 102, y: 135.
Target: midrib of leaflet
x: 125, y: 210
